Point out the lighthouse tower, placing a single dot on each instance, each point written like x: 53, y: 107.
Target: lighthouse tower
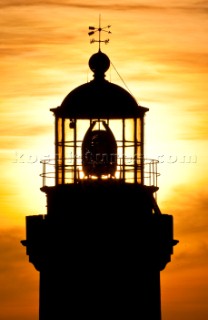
x: 103, y: 241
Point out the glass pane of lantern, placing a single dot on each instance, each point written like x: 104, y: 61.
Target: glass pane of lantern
x: 69, y: 141
x: 139, y: 151
x: 82, y: 127
x: 129, y: 150
x: 60, y: 151
x: 59, y: 129
x: 129, y: 129
x: 116, y: 126
x: 69, y: 130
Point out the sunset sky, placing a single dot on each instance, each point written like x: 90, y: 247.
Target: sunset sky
x: 159, y: 52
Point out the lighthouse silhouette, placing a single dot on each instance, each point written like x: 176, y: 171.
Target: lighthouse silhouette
x: 100, y: 247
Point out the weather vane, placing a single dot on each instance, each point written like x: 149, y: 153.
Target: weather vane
x: 99, y: 29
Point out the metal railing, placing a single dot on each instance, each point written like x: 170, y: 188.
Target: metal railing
x: 124, y: 172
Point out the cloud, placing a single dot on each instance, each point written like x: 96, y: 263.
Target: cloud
x: 196, y: 7
x: 200, y: 6
x: 19, y: 282
x: 13, y: 260
x: 189, y: 204
x: 195, y: 131
x: 24, y: 130
x: 79, y: 4
x: 186, y: 61
x: 191, y: 256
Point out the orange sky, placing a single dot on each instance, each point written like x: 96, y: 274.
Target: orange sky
x: 160, y: 52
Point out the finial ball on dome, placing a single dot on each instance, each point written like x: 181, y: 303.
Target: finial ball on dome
x: 99, y: 63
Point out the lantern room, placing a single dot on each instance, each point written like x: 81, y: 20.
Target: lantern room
x: 99, y: 132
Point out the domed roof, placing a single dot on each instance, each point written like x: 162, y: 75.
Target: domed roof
x: 99, y: 98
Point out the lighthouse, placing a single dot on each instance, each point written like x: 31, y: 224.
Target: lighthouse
x: 103, y: 242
